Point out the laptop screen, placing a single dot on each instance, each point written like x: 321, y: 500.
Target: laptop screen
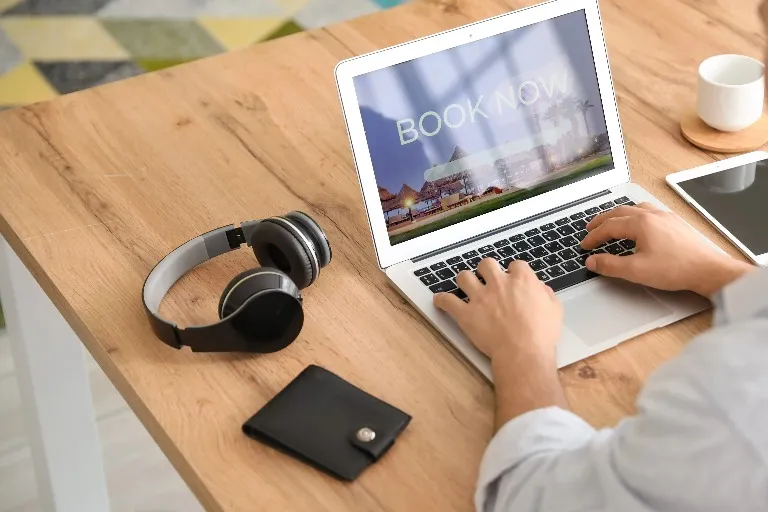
x: 472, y: 129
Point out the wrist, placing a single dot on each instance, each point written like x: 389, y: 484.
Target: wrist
x: 718, y: 274
x: 533, y: 354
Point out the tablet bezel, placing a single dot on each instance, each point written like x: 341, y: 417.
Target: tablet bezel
x: 674, y: 180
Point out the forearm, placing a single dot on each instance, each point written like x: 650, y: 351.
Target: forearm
x: 722, y: 271
x: 525, y: 381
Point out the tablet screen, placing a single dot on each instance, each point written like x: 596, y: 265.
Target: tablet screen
x: 738, y: 199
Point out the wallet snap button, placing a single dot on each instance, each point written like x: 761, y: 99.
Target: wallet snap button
x: 365, y: 435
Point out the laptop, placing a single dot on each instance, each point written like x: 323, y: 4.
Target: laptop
x: 501, y: 139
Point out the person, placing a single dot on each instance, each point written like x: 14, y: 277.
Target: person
x: 699, y: 441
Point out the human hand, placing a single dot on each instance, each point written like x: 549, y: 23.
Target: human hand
x: 512, y: 314
x: 669, y: 254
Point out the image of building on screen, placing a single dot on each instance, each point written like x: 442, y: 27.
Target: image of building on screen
x: 462, y: 132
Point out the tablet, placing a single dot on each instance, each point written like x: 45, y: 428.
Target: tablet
x: 733, y: 196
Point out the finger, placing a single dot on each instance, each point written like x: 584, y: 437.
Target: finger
x: 612, y: 266
x: 648, y: 206
x: 619, y: 227
x: 490, y: 269
x: 621, y: 211
x: 449, y: 303
x: 519, y: 268
x: 469, y: 283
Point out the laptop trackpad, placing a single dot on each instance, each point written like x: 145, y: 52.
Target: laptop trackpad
x: 611, y: 308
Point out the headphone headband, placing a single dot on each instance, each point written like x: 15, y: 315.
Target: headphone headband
x: 180, y: 261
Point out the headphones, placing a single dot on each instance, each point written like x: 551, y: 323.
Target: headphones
x: 260, y: 309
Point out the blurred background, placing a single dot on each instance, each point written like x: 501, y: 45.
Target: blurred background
x: 53, y: 47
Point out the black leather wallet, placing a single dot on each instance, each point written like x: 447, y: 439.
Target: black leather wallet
x: 325, y: 421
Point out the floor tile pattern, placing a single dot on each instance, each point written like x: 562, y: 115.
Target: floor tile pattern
x: 52, y: 47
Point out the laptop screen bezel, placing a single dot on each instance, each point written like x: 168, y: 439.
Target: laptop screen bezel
x: 388, y: 254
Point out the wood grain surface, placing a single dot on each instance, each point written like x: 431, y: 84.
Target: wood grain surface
x: 96, y: 187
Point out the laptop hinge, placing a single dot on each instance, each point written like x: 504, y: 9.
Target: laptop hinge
x: 509, y: 226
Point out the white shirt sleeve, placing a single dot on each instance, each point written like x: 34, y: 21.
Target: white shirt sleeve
x: 698, y: 441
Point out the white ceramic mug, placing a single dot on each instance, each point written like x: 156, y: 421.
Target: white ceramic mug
x: 731, y: 92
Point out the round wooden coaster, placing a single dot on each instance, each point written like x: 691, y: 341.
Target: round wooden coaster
x: 698, y: 133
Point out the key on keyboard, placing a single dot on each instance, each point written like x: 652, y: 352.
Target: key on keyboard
x: 521, y: 246
x: 627, y: 244
x: 551, y: 235
x: 553, y: 247
x: 444, y: 286
x: 421, y: 272
x: 445, y: 273
x: 563, y: 221
x: 570, y: 266
x: 506, y: 252
x: 579, y: 225
x: 577, y: 216
x: 429, y: 279
x: 517, y: 238
x: 539, y: 252
x: 607, y: 206
x: 470, y: 255
x: 555, y: 271
x: 453, y: 261
x: 474, y: 262
x: 486, y: 248
x: 524, y: 256
x: 536, y: 241
x: 538, y: 265
x: 569, y: 241
x: 438, y: 265
x: 621, y: 200
x: 592, y: 211
x: 459, y: 267
x: 548, y: 227
x: 571, y: 279
x: 566, y: 230
x: 459, y: 293
x: 552, y: 259
x: 501, y: 243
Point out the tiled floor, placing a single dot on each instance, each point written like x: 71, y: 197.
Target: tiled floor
x: 52, y: 47
x: 139, y: 477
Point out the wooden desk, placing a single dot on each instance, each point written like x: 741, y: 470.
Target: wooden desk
x: 96, y: 187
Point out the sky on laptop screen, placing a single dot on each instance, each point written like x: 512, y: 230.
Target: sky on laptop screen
x: 462, y: 132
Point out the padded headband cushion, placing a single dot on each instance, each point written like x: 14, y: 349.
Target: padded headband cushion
x: 316, y: 234
x: 276, y: 246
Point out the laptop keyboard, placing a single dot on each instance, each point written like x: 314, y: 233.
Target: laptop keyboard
x: 552, y: 250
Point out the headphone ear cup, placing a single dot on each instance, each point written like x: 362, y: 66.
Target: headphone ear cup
x: 263, y: 306
x: 315, y: 233
x: 275, y: 246
x: 226, y: 295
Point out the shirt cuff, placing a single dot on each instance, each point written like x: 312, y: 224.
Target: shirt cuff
x: 538, y: 431
x: 743, y: 299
